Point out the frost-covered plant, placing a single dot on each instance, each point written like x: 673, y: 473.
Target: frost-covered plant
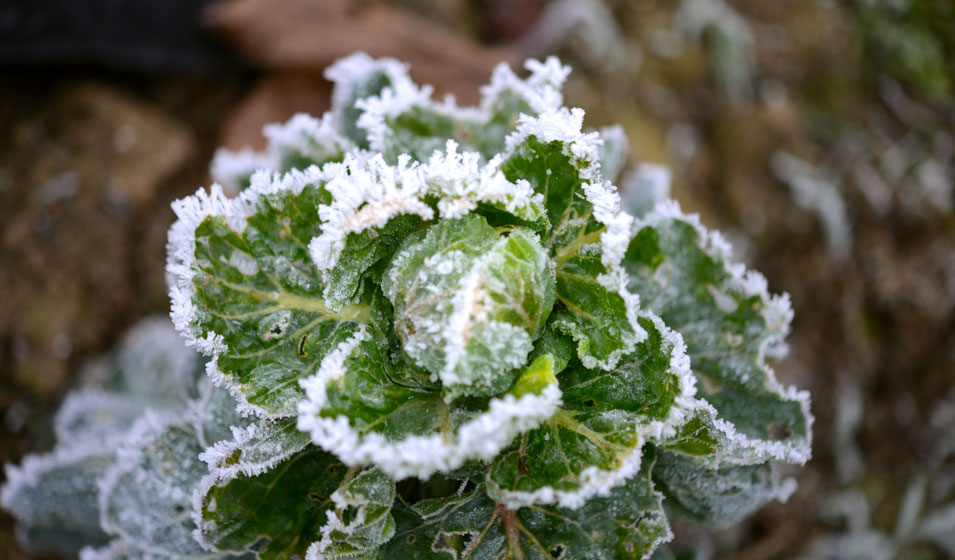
x: 445, y: 339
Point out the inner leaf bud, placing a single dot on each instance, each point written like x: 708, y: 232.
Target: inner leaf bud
x: 469, y: 302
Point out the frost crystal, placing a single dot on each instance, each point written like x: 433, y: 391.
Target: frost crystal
x: 408, y: 289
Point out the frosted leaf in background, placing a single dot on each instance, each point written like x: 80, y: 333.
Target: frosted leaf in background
x: 587, y: 27
x: 728, y: 40
x: 54, y: 498
x: 645, y: 186
x: 818, y: 192
x: 613, y: 151
x: 153, y: 364
x: 146, y: 496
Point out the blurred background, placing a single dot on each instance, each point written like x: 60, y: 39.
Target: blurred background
x: 818, y: 135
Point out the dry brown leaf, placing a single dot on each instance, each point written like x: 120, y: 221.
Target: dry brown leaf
x: 308, y: 35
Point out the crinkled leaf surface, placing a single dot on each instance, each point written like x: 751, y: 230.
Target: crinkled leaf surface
x: 730, y: 324
x: 361, y: 521
x: 595, y: 315
x: 594, y: 441
x: 279, y: 512
x: 469, y: 302
x: 627, y: 523
x: 258, y: 289
x: 370, y: 410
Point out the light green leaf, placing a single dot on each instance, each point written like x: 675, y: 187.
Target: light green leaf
x: 248, y: 293
x: 594, y: 442
x: 731, y: 326
x: 629, y: 523
x: 561, y: 163
x: 469, y: 302
x: 361, y: 407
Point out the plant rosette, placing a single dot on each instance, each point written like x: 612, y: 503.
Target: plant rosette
x: 433, y: 332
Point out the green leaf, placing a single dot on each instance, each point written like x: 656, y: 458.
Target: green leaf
x: 469, y: 302
x: 731, y: 326
x: 561, y: 163
x: 594, y: 442
x: 402, y: 119
x: 248, y: 293
x: 358, y: 77
x: 278, y: 513
x: 361, y: 521
x: 304, y: 141
x: 254, y: 449
x: 360, y: 407
x: 629, y: 523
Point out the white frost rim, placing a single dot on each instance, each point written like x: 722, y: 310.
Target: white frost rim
x: 541, y: 90
x: 215, y: 456
x: 599, y: 482
x: 778, y: 314
x: 317, y: 550
x: 421, y: 456
x: 128, y: 456
x: 368, y: 194
x: 181, y: 266
x: 583, y: 149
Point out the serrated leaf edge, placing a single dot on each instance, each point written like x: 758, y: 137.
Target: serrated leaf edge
x: 599, y: 482
x: 541, y: 90
x: 221, y: 473
x: 777, y: 312
x: 181, y: 266
x: 127, y: 455
x: 420, y: 456
x: 583, y: 149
